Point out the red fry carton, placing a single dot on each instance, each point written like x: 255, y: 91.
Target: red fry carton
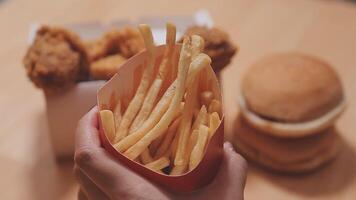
x: 123, y: 86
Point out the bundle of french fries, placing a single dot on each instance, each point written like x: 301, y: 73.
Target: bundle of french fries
x: 174, y: 112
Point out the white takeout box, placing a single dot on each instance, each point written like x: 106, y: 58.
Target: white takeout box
x: 65, y: 109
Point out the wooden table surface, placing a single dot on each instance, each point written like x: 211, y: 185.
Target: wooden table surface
x: 324, y: 28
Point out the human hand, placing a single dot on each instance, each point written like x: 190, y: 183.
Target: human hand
x: 102, y: 177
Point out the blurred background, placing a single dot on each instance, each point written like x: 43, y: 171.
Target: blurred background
x: 29, y: 168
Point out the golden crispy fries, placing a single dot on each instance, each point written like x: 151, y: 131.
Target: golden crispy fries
x: 185, y: 125
x: 173, y: 114
x: 161, y: 106
x: 108, y: 123
x: 202, y: 118
x: 191, y: 102
x: 161, y: 76
x: 178, y: 170
x: 157, y: 142
x: 193, y: 140
x: 215, y: 106
x: 147, y: 105
x: 159, y: 164
x: 213, y: 87
x: 214, y: 122
x: 198, y: 151
x: 168, y: 153
x: 174, y: 146
x: 195, y: 69
x: 182, y: 152
x: 169, y: 51
x: 167, y: 118
x: 206, y: 97
x: 162, y: 149
x: 146, y: 157
x: 153, y: 119
x: 197, y: 44
x: 117, y: 114
x: 171, y: 41
x: 138, y: 99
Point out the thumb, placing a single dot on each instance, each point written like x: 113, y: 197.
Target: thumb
x: 230, y: 181
x: 234, y: 164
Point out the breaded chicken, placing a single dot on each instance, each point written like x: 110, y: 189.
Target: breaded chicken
x: 217, y: 45
x: 126, y: 42
x: 105, y: 68
x: 56, y: 59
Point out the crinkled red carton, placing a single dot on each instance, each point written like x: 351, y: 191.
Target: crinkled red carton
x: 123, y: 85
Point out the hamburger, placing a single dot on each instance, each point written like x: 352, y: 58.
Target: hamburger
x: 289, y: 103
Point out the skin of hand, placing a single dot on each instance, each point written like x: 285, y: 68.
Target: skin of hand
x: 100, y: 176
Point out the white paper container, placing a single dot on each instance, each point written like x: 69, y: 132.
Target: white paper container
x: 65, y: 109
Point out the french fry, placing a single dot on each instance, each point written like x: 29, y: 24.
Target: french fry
x: 191, y: 101
x: 162, y: 149
x: 215, y: 106
x: 153, y: 119
x: 185, y: 125
x: 195, y: 69
x: 146, y: 157
x: 117, y: 114
x: 137, y: 100
x: 161, y: 106
x: 204, y: 80
x: 168, y: 152
x: 178, y: 170
x: 207, y: 83
x: 151, y: 97
x: 174, y: 146
x: 159, y: 164
x: 206, y: 97
x: 157, y: 142
x: 198, y: 151
x: 193, y: 140
x: 147, y: 105
x: 214, y: 121
x: 197, y: 45
x: 202, y: 118
x: 172, y: 114
x: 108, y: 123
x: 162, y: 125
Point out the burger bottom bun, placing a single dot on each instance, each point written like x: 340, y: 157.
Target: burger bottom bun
x: 290, y: 130
x: 295, y: 168
x: 287, y: 155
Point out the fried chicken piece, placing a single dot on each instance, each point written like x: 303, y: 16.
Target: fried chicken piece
x: 217, y: 45
x: 105, y: 68
x: 126, y: 42
x: 56, y: 59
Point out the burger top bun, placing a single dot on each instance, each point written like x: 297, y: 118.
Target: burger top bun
x: 291, y: 89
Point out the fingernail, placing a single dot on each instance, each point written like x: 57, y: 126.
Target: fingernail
x: 228, y: 146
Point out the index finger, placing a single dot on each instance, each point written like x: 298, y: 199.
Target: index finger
x: 87, y: 134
